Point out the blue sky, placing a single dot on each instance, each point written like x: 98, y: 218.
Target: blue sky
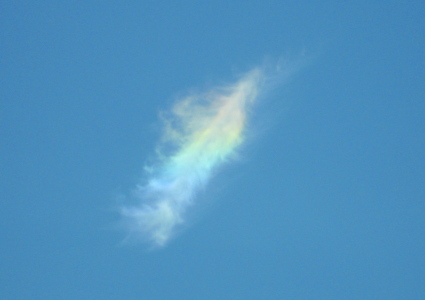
x: 328, y: 202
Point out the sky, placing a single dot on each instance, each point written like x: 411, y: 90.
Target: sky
x: 324, y: 199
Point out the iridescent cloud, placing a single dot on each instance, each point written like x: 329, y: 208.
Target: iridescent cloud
x: 203, y: 132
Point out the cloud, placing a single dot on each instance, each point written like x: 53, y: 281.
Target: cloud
x: 202, y: 132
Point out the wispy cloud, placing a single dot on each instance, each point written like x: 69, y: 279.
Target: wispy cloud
x: 203, y: 131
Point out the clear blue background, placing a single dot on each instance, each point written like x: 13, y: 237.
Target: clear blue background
x: 328, y: 204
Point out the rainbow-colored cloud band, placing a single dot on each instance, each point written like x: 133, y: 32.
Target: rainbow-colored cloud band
x: 205, y: 131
